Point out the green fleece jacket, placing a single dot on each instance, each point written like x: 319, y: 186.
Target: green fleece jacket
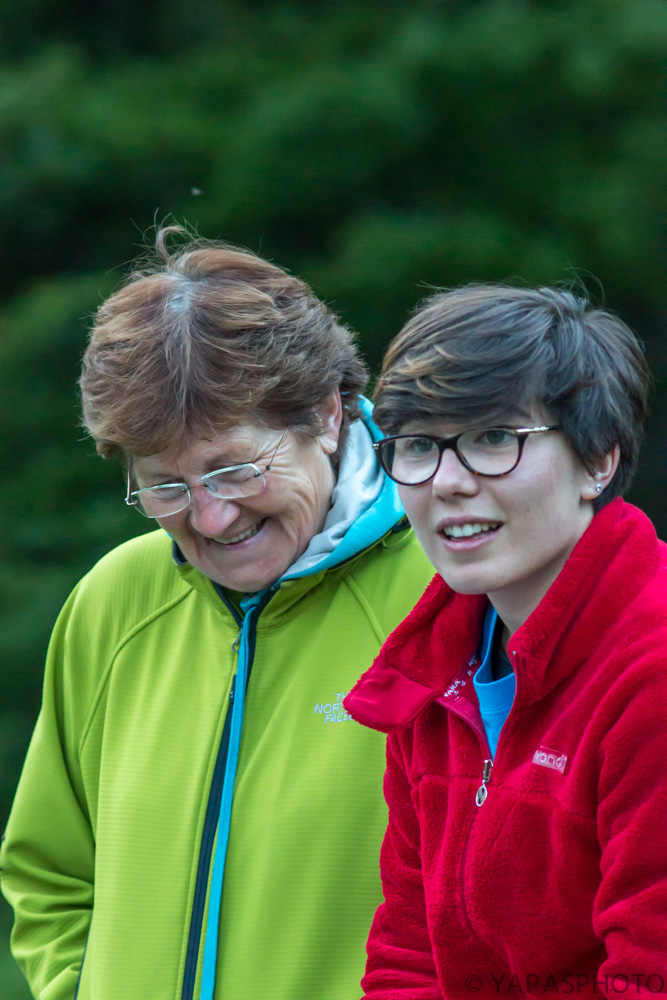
x: 108, y: 850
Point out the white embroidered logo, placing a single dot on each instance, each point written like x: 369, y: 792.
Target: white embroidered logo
x: 550, y: 758
x: 333, y: 711
x: 452, y: 691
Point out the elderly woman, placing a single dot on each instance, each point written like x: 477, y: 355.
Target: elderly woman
x: 198, y: 816
x: 526, y: 694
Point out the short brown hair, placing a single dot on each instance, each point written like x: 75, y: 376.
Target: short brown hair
x: 481, y: 353
x: 206, y: 337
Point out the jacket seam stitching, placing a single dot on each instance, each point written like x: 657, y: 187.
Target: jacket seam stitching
x: 104, y: 679
x: 364, y: 603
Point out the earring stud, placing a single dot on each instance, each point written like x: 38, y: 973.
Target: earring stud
x: 598, y: 488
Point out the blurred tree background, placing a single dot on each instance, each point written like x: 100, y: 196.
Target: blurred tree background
x: 375, y: 149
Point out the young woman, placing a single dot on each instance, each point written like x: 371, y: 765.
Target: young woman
x: 525, y: 696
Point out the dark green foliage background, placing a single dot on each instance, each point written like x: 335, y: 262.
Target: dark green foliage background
x: 376, y: 149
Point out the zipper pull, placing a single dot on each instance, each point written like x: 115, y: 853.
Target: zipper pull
x: 483, y: 791
x: 236, y: 645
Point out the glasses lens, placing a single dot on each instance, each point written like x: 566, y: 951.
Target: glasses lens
x: 161, y: 501
x: 235, y: 482
x: 410, y: 460
x: 491, y: 451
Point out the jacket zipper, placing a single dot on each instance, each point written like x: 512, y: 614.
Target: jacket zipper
x: 215, y: 792
x: 209, y: 831
x: 248, y: 636
x: 205, y: 854
x: 482, y: 791
x: 480, y: 798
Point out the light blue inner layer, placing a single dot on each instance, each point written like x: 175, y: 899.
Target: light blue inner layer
x: 495, y: 696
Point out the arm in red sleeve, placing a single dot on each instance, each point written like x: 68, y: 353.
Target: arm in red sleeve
x: 400, y: 958
x: 630, y: 912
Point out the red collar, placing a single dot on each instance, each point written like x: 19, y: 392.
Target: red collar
x: 613, y: 560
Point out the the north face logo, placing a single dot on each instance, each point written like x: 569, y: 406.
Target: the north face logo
x: 334, y: 710
x: 550, y: 758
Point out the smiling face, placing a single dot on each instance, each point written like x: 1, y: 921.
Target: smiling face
x: 506, y: 537
x: 247, y: 544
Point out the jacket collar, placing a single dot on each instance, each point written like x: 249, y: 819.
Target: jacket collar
x: 287, y: 595
x: 613, y: 560
x: 289, y: 592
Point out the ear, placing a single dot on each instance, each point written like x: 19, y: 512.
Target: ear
x: 602, y: 476
x: 330, y: 413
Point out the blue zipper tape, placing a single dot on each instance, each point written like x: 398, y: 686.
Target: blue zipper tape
x: 252, y: 607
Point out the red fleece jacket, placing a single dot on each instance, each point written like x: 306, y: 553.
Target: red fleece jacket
x: 557, y: 883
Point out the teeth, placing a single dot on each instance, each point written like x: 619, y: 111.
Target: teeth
x: 467, y: 530
x: 244, y: 534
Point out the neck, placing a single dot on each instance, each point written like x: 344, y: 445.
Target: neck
x: 505, y: 636
x: 516, y: 606
x: 516, y: 602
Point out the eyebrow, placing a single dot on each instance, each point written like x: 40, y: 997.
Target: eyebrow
x: 220, y: 463
x: 160, y: 478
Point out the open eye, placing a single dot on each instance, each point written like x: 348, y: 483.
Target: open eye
x: 494, y: 437
x: 415, y: 447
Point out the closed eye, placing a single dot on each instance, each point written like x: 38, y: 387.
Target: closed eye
x: 165, y: 489
x: 230, y: 476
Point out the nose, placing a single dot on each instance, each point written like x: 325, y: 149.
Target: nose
x: 209, y: 515
x: 452, y: 477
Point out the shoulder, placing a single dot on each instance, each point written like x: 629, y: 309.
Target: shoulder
x: 134, y: 581
x: 392, y: 575
x: 129, y: 588
x: 636, y: 593
x: 142, y: 562
x: 632, y: 658
x: 628, y: 671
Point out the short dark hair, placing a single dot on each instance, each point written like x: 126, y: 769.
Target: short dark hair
x: 483, y: 352
x: 207, y: 337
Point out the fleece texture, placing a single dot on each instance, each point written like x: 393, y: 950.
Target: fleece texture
x: 558, y: 880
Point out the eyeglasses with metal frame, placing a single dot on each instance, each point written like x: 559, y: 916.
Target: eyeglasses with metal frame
x: 414, y: 459
x: 233, y: 482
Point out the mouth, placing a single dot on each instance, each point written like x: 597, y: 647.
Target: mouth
x: 243, y: 536
x: 473, y: 529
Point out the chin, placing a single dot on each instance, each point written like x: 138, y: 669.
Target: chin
x: 469, y: 587
x: 246, y: 584
x: 469, y: 591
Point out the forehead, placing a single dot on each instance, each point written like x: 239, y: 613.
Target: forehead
x: 243, y: 443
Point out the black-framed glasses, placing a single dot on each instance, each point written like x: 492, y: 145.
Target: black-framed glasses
x: 413, y: 459
x: 233, y: 482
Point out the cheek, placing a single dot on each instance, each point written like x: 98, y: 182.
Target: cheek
x: 410, y: 498
x: 418, y: 511
x: 297, y: 508
x: 547, y: 517
x: 535, y: 496
x: 175, y: 528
